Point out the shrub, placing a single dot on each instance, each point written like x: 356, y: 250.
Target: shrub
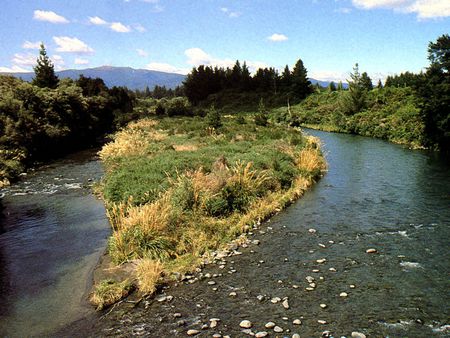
x: 107, y: 292
x: 179, y: 106
x: 213, y: 118
x: 148, y: 273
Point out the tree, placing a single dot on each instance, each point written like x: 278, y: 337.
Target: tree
x: 439, y: 53
x: 434, y: 92
x: 379, y: 85
x: 355, y: 99
x: 366, y: 81
x: 301, y: 86
x: 332, y: 87
x: 44, y: 71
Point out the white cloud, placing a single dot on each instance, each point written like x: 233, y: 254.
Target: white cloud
x: 24, y: 59
x: 58, y: 61
x: 141, y: 52
x: 230, y: 13
x: 49, y: 16
x: 79, y: 61
x: 31, y: 45
x: 327, y: 75
x: 119, y: 27
x: 95, y: 20
x: 197, y: 57
x: 425, y: 9
x: 277, y: 37
x: 71, y: 45
x: 165, y: 67
x: 343, y: 10
x: 13, y: 69
x: 139, y: 28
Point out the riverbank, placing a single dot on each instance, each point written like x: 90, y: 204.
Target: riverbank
x: 176, y: 189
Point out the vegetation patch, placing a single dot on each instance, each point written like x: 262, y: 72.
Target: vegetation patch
x: 197, y: 188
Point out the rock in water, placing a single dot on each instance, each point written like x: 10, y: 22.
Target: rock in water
x: 246, y: 324
x: 358, y: 335
x: 372, y: 250
x: 192, y: 332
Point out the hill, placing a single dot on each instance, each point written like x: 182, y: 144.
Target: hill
x: 118, y: 76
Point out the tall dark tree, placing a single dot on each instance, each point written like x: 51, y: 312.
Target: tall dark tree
x: 366, y: 81
x: 301, y: 86
x: 355, y: 99
x: 286, y: 77
x: 44, y: 71
x: 435, y: 94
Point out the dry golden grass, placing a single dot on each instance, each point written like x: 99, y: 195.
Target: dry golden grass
x: 148, y: 273
x: 310, y: 158
x: 107, y: 292
x: 133, y: 140
x: 185, y: 147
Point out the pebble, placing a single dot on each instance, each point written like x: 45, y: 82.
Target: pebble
x: 270, y: 325
x: 246, y: 324
x: 313, y: 285
x: 310, y: 279
x: 332, y: 269
x: 322, y: 260
x: 323, y: 306
x: 295, y: 286
x: 321, y: 321
x: 213, y: 324
x: 232, y: 294
x: 260, y: 298
x: 217, y: 335
x: 275, y: 300
x: 343, y: 294
x: 261, y: 334
x: 331, y: 242
x: 204, y: 326
x: 352, y: 286
x: 211, y: 282
x: 256, y: 242
x: 285, y: 319
x: 312, y: 231
x: 358, y: 335
x: 277, y: 329
x: 285, y: 304
x: 372, y: 250
x: 309, y: 289
x: 248, y: 332
x: 295, y: 335
x: 177, y: 315
x: 316, y: 270
x: 322, y: 245
x: 192, y: 332
x: 297, y: 322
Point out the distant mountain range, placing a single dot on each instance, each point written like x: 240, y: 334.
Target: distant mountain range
x: 128, y: 77
x: 118, y: 76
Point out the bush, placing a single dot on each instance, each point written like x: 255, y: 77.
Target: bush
x: 179, y: 106
x: 213, y: 118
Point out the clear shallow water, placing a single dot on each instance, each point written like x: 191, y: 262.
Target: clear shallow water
x: 52, y: 232
x: 375, y: 195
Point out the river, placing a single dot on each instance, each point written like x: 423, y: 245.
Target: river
x: 375, y: 195
x: 52, y: 233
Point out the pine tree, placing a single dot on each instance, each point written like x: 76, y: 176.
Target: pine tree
x: 332, y: 86
x: 366, y: 81
x: 44, y: 71
x: 301, y: 86
x: 379, y: 85
x: 355, y: 99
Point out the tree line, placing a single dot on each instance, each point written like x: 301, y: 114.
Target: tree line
x: 206, y: 80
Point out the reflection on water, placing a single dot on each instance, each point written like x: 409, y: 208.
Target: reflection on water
x: 53, y: 231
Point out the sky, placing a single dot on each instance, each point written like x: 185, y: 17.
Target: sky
x: 383, y: 36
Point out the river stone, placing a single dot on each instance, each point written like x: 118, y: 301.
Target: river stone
x: 248, y: 332
x: 297, y: 322
x: 312, y: 231
x: 358, y: 335
x: 246, y: 324
x: 211, y: 282
x: 213, y: 324
x: 371, y: 250
x: 322, y: 245
x: 277, y: 329
x: 285, y: 304
x: 177, y: 315
x: 217, y: 335
x: 295, y: 335
x: 192, y: 332
x: 321, y: 321
x: 322, y: 260
x: 343, y: 294
x: 332, y: 269
x: 232, y: 294
x: 270, y: 325
x: 260, y: 298
x: 323, y: 306
x: 261, y: 334
x: 275, y: 300
x: 352, y: 286
x: 309, y: 289
x: 310, y: 279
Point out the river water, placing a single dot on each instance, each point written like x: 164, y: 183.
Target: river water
x: 375, y: 195
x: 52, y: 233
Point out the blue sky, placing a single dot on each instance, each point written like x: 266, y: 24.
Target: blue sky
x: 330, y: 36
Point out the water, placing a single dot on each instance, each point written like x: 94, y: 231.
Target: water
x: 375, y: 195
x: 52, y: 233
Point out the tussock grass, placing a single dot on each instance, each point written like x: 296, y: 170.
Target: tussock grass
x: 108, y: 292
x: 169, y: 208
x: 148, y: 273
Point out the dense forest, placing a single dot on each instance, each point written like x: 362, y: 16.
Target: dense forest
x: 50, y: 117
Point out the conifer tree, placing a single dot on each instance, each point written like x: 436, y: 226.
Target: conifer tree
x: 44, y: 71
x: 301, y: 86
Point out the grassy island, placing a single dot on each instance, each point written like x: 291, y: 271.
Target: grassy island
x: 177, y: 188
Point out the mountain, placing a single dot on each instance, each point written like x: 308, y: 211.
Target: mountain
x: 118, y: 76
x: 327, y: 83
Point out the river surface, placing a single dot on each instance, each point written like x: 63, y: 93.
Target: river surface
x: 52, y: 233
x: 375, y: 195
